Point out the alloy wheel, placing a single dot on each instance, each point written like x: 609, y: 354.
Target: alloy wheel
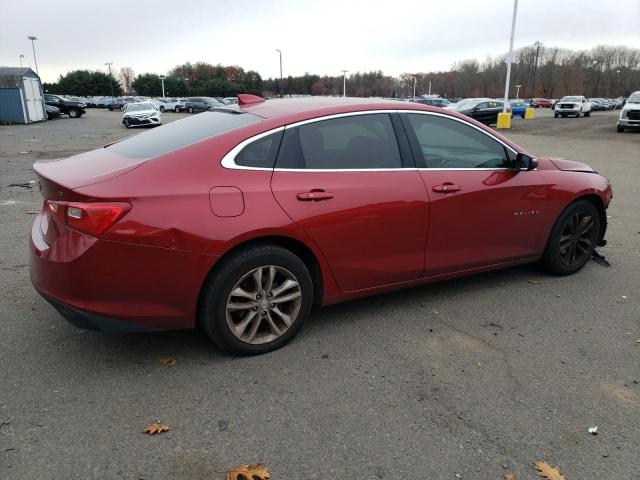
x: 263, y: 304
x: 577, y: 239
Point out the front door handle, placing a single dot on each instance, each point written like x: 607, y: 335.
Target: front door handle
x: 315, y: 195
x: 447, y: 187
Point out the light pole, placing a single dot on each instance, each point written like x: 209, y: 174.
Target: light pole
x: 108, y: 64
x: 429, y: 87
x: 517, y: 91
x: 21, y: 57
x: 414, y: 89
x: 35, y: 60
x: 510, y: 57
x: 344, y: 82
x: 162, y: 77
x: 280, y: 52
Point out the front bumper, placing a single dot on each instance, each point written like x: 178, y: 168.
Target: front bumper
x: 136, y: 121
x: 625, y: 122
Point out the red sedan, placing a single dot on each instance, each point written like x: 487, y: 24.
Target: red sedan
x: 541, y: 103
x: 242, y: 218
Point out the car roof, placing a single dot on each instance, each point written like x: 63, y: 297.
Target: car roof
x: 310, y: 107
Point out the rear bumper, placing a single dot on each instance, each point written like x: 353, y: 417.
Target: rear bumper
x: 116, y: 286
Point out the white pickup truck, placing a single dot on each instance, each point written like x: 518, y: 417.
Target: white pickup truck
x: 630, y: 113
x: 572, y: 105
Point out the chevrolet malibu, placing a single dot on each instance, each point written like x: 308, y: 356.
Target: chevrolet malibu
x: 242, y: 218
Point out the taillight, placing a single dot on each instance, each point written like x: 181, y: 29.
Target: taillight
x: 91, y: 218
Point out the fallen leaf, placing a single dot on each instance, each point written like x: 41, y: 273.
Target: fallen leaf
x: 31, y: 212
x: 248, y: 472
x: 544, y: 470
x: 509, y: 476
x: 154, y: 428
x: 168, y: 361
x: 533, y: 281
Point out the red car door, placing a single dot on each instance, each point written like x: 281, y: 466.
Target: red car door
x: 482, y: 211
x: 344, y: 182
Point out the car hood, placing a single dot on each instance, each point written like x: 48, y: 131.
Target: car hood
x: 567, y: 165
x: 631, y: 106
x: 140, y: 113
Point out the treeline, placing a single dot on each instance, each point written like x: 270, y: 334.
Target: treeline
x: 604, y: 71
x: 198, y: 79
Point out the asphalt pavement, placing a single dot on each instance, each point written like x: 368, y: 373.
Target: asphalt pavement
x: 471, y: 378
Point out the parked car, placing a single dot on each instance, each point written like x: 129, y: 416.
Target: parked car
x: 540, y: 103
x: 240, y: 224
x: 597, y: 104
x: 52, y: 112
x: 141, y: 114
x: 465, y: 101
x: 103, y: 102
x: 231, y: 100
x: 66, y: 107
x: 572, y: 105
x: 119, y: 103
x: 436, y: 102
x: 159, y: 103
x: 630, y: 113
x: 175, y: 105
x: 518, y: 108
x: 202, y: 104
x: 484, y: 111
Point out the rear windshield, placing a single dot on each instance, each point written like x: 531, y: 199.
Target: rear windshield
x: 180, y: 133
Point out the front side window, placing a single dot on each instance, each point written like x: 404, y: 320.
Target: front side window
x: 447, y: 143
x: 347, y: 143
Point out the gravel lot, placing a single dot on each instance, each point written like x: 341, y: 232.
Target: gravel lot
x: 470, y: 378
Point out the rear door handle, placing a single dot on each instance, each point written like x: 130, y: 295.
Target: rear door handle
x: 447, y: 187
x: 314, y: 196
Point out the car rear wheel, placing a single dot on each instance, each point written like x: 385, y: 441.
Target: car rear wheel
x: 74, y: 113
x: 161, y: 108
x: 190, y: 109
x: 257, y: 300
x: 177, y: 109
x: 573, y: 239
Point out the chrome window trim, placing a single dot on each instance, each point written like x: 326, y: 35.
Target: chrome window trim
x: 228, y: 161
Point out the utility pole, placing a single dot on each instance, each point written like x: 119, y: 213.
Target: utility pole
x: 162, y: 77
x: 22, y: 56
x: 110, y: 77
x: 344, y: 82
x: 414, y: 89
x: 535, y: 68
x: 35, y: 60
x: 429, y: 87
x: 280, y: 52
x: 510, y: 57
x: 517, y: 91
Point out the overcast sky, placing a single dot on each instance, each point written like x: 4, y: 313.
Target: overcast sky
x: 320, y: 36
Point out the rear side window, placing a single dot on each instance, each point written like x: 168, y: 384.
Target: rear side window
x: 261, y: 153
x: 347, y: 143
x: 181, y: 133
x: 447, y: 143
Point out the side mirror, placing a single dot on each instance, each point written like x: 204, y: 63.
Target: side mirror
x: 526, y: 162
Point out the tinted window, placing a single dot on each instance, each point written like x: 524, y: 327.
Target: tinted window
x: 446, y: 143
x: 261, y: 153
x: 354, y: 142
x: 183, y: 132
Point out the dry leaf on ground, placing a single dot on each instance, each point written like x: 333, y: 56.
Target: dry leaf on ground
x: 248, y: 472
x: 509, y: 476
x: 544, y: 470
x: 168, y: 361
x: 154, y: 428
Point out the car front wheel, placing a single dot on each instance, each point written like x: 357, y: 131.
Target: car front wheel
x: 177, y: 109
x: 190, y: 109
x: 257, y: 300
x: 573, y: 239
x: 74, y: 113
x: 161, y: 109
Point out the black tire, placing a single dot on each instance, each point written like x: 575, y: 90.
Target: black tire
x: 74, y: 113
x: 212, y: 313
x: 620, y: 129
x: 556, y: 115
x: 190, y: 109
x: 587, y: 114
x: 126, y: 124
x: 578, y: 115
x: 110, y: 108
x: 177, y: 109
x: 558, y: 261
x: 161, y: 108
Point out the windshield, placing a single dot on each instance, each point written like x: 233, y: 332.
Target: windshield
x: 571, y: 99
x: 136, y: 107
x: 635, y: 98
